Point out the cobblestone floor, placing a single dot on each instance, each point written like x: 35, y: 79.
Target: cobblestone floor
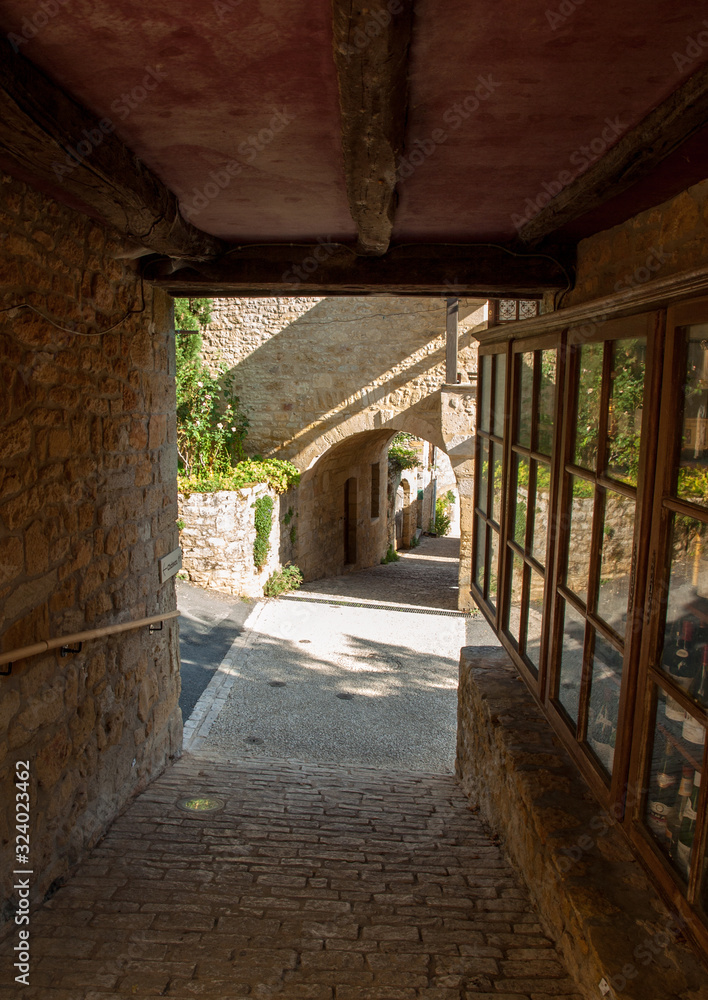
x: 316, y: 882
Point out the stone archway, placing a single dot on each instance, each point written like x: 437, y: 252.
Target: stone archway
x: 444, y: 418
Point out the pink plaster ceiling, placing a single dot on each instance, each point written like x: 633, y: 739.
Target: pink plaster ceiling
x: 221, y: 74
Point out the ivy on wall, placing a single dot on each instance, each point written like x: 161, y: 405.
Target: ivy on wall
x: 264, y: 522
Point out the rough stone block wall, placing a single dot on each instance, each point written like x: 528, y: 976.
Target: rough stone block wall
x: 88, y: 504
x: 657, y: 243
x: 218, y: 536
x: 595, y: 900
x: 305, y: 367
x: 320, y: 546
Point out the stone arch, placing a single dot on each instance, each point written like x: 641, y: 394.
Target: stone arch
x: 358, y: 442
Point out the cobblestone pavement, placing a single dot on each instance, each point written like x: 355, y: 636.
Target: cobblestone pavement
x: 314, y: 883
x: 336, y: 674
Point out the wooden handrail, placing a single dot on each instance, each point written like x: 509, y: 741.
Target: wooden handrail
x: 97, y: 633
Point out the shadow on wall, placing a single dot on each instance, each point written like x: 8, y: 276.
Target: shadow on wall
x: 343, y: 356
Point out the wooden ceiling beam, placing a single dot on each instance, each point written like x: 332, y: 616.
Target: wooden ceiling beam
x: 371, y: 43
x: 632, y: 158
x: 331, y: 269
x: 49, y: 139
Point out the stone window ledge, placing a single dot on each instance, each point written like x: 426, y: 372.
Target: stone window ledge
x: 594, y: 897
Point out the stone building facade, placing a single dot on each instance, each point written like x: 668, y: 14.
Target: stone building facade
x: 88, y: 505
x: 326, y: 383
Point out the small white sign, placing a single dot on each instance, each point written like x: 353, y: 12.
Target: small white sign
x: 170, y: 564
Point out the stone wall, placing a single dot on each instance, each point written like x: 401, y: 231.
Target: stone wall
x: 321, y: 549
x: 594, y: 899
x: 88, y: 504
x: 314, y: 374
x: 219, y: 532
x: 662, y: 241
x: 306, y: 368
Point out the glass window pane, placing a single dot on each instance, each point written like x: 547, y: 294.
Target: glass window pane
x: 517, y: 579
x: 686, y: 628
x: 499, y: 394
x: 672, y: 789
x: 541, y: 511
x: 535, y: 613
x: 521, y: 499
x: 616, y: 565
x: 693, y: 466
x: 546, y: 402
x: 525, y: 373
x: 485, y: 414
x: 481, y: 553
x: 606, y: 678
x: 624, y: 418
x: 483, y: 476
x: 497, y: 481
x: 589, y: 386
x: 493, y: 584
x: 580, y: 517
x: 571, y: 668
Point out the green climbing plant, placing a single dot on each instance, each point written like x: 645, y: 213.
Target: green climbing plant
x: 264, y: 522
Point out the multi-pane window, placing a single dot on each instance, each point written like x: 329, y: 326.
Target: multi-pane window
x: 590, y: 560
x: 604, y: 406
x: 488, y: 490
x: 534, y: 385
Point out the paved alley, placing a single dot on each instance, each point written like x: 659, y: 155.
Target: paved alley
x: 314, y: 882
x: 343, y: 862
x: 355, y: 669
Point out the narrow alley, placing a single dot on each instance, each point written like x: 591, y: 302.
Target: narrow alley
x: 333, y: 855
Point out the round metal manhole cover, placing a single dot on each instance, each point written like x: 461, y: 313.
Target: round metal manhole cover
x: 199, y: 805
x: 344, y: 696
x: 277, y: 684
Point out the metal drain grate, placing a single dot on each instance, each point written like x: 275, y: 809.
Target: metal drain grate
x: 378, y: 607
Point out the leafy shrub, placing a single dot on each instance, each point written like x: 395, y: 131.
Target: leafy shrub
x: 276, y: 473
x: 282, y: 580
x: 391, y: 555
x: 264, y: 522
x: 443, y: 514
x: 401, y: 458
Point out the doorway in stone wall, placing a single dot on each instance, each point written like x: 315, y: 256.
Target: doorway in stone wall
x: 350, y: 519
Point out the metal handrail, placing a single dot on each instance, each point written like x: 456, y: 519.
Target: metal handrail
x: 97, y: 633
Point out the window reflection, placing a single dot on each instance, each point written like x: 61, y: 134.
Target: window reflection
x: 571, y: 667
x: 603, y: 707
x: 581, y: 513
x: 546, y: 402
x: 588, y: 414
x: 624, y: 419
x: 616, y: 565
x: 525, y: 363
x: 693, y: 467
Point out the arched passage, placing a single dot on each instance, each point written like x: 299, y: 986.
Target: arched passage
x: 332, y: 460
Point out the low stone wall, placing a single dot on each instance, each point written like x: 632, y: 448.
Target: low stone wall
x: 218, y: 536
x: 593, y: 896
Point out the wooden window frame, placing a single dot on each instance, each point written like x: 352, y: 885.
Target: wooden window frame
x: 661, y: 323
